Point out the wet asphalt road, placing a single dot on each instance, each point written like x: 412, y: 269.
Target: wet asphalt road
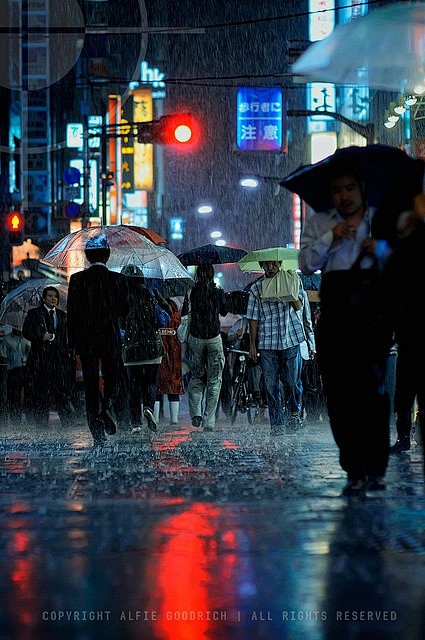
x: 189, y: 535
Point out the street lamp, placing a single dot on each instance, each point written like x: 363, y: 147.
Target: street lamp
x: 249, y: 183
x: 253, y: 182
x: 205, y: 209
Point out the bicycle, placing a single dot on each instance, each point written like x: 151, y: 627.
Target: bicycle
x: 242, y: 400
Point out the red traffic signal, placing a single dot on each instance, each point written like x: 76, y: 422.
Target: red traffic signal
x: 180, y: 131
x: 108, y: 178
x: 14, y: 227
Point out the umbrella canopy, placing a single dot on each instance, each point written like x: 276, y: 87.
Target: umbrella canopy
x: 211, y: 254
x: 127, y: 247
x: 27, y: 295
x: 384, y: 50
x: 151, y: 235
x: 288, y: 256
x: 380, y: 166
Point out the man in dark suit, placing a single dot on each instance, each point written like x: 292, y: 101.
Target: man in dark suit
x: 97, y: 298
x: 49, y: 368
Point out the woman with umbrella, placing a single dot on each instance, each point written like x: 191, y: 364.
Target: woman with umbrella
x: 143, y: 348
x: 205, y: 302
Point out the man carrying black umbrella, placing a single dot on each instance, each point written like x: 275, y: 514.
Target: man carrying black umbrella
x: 353, y: 344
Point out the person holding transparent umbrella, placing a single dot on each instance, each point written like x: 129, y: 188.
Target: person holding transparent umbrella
x: 97, y: 299
x: 48, y: 375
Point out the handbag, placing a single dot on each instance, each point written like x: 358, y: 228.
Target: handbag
x: 149, y: 349
x: 353, y: 290
x: 162, y: 317
x: 352, y: 309
x: 183, y: 329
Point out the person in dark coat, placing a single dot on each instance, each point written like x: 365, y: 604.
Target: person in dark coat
x: 143, y: 348
x: 49, y: 368
x: 97, y: 298
x: 402, y: 280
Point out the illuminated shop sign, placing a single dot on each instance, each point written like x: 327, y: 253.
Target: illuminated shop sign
x: 321, y: 18
x: 259, y: 119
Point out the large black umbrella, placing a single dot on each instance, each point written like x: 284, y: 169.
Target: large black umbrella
x: 211, y: 254
x: 380, y: 166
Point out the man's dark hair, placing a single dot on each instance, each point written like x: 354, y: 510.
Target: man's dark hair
x: 98, y: 255
x: 338, y: 169
x: 46, y: 291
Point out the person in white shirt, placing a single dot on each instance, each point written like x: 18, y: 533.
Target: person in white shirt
x: 352, y: 343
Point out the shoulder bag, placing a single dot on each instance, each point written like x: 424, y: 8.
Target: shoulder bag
x: 184, y: 326
x: 162, y: 317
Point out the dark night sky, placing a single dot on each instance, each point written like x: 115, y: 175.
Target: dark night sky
x: 239, y: 47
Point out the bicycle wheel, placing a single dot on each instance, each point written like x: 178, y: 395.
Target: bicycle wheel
x: 236, y: 396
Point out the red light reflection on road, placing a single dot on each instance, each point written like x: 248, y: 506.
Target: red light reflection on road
x: 21, y: 570
x: 228, y: 444
x: 192, y: 580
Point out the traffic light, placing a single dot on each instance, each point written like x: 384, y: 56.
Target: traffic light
x: 180, y: 131
x: 14, y: 227
x: 108, y: 178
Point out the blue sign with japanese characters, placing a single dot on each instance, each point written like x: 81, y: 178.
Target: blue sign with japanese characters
x: 260, y: 118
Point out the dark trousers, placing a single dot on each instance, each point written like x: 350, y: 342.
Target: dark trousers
x: 44, y: 392
x: 405, y: 393
x: 352, y: 355
x: 112, y: 367
x: 142, y: 382
x: 411, y: 385
x: 15, y: 386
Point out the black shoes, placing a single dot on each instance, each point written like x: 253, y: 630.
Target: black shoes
x: 99, y: 440
x: 375, y: 483
x: 358, y: 486
x: 108, y: 424
x: 148, y: 413
x: 96, y: 426
x: 354, y: 487
x: 401, y: 445
x: 197, y: 421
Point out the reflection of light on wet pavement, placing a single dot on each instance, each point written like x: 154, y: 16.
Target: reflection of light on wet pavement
x: 228, y: 444
x: 186, y: 565
x: 15, y: 462
x: 22, y: 573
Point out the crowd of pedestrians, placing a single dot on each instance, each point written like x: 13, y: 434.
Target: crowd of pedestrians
x: 131, y: 366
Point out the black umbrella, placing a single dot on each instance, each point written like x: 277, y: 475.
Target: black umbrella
x: 380, y: 166
x: 211, y: 254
